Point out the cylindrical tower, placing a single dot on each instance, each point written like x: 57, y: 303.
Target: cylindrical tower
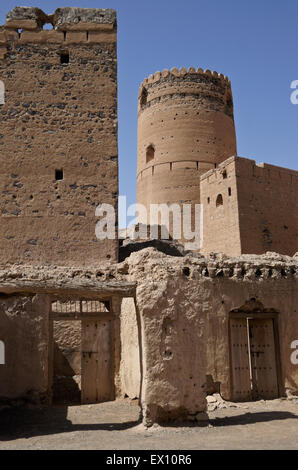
x: 185, y: 128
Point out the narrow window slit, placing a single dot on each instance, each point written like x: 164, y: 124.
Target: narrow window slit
x: 58, y: 175
x: 64, y: 57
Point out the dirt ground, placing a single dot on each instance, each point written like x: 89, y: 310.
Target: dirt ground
x: 115, y: 425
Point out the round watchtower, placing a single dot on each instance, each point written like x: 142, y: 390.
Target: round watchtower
x: 185, y: 128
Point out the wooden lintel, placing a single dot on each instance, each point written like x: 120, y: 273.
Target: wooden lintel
x: 78, y: 288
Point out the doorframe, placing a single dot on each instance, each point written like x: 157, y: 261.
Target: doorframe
x: 274, y: 316
x: 78, y: 316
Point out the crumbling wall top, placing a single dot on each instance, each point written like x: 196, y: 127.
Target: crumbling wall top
x: 149, y: 264
x: 67, y: 18
x: 79, y: 16
x: 26, y: 13
x: 27, y: 17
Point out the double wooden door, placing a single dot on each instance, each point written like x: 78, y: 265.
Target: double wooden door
x: 253, y: 359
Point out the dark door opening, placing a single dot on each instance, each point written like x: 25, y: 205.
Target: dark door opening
x: 66, y: 382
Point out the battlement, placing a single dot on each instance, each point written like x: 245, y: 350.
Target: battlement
x: 250, y: 168
x: 196, y: 84
x: 53, y: 37
x: 63, y: 19
x: 70, y: 26
x: 182, y: 72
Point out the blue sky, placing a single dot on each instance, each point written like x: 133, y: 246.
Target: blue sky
x: 254, y: 42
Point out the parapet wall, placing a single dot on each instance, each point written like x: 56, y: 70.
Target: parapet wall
x: 70, y: 26
x: 253, y: 169
x: 193, y: 81
x: 67, y: 18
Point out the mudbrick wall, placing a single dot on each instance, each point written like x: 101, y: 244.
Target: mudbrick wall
x: 130, y: 370
x: 219, y: 199
x: 250, y: 208
x: 185, y: 128
x: 183, y: 307
x: 177, y: 324
x: 26, y: 293
x: 24, y: 330
x: 58, y: 140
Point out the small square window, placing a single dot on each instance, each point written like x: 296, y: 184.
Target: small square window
x: 64, y: 57
x: 58, y: 175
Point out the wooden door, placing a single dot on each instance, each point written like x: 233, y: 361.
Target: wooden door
x: 97, y: 362
x: 263, y: 358
x: 241, y: 381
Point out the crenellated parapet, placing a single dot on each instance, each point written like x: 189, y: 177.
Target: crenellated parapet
x: 26, y: 17
x: 70, y: 26
x: 84, y: 19
x: 182, y: 72
x: 63, y: 19
x: 213, y: 88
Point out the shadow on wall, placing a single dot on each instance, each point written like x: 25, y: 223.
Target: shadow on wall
x: 66, y: 383
x: 211, y: 386
x: 168, y: 247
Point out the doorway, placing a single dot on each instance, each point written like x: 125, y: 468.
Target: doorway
x: 81, y: 351
x: 96, y: 361
x: 254, y: 357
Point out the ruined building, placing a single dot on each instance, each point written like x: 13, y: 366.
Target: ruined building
x: 76, y: 324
